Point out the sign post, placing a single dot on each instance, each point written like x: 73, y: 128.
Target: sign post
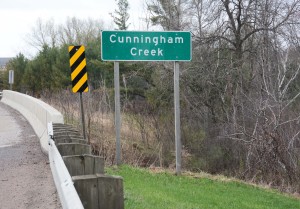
x: 177, y: 118
x: 82, y: 115
x: 79, y: 77
x: 11, y: 78
x: 117, y: 112
x: 147, y: 46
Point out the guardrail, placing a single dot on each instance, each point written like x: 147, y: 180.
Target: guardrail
x: 63, y: 181
x: 37, y: 113
x: 95, y: 189
x: 91, y: 189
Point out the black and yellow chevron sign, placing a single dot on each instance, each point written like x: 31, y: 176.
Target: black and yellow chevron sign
x: 78, y: 69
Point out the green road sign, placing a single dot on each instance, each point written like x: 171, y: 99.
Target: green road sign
x: 146, y: 46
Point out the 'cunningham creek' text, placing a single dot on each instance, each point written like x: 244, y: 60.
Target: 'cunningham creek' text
x: 151, y: 40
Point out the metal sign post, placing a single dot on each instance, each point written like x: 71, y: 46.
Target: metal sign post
x: 82, y: 116
x: 177, y: 118
x: 117, y: 112
x: 11, y: 79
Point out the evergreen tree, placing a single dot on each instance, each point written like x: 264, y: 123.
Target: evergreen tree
x: 18, y: 65
x: 121, y: 15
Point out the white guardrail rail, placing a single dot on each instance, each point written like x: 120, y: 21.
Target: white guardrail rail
x: 67, y: 193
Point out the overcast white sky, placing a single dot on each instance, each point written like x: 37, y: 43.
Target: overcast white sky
x: 18, y: 17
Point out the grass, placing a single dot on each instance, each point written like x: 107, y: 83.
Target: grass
x: 147, y: 190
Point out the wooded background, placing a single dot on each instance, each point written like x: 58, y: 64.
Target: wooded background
x: 239, y: 94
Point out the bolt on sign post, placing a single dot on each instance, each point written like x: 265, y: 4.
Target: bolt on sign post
x: 11, y: 78
x: 79, y: 76
x: 147, y: 46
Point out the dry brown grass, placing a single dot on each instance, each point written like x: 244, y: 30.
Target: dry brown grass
x: 138, y: 143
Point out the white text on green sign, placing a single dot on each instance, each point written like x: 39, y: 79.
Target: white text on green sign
x: 146, y: 46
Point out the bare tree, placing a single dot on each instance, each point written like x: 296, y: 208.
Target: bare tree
x: 73, y: 31
x: 79, y: 32
x: 243, y: 81
x: 43, y: 34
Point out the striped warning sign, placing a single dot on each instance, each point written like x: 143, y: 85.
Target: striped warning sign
x: 78, y: 69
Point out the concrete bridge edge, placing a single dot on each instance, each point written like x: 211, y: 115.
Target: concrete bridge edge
x: 37, y: 112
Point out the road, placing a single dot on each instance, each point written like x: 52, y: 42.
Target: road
x: 25, y: 176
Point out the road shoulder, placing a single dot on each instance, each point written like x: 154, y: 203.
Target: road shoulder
x: 25, y: 175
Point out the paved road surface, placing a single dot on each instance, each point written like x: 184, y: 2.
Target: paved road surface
x: 25, y: 176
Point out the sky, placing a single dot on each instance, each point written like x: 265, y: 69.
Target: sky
x: 18, y: 18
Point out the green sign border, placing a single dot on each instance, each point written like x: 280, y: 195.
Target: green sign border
x: 149, y: 42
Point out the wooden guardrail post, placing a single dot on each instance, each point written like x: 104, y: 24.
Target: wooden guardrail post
x: 100, y: 191
x: 84, y: 164
x: 95, y: 189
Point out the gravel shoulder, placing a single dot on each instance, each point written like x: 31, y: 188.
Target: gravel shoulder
x: 25, y: 175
